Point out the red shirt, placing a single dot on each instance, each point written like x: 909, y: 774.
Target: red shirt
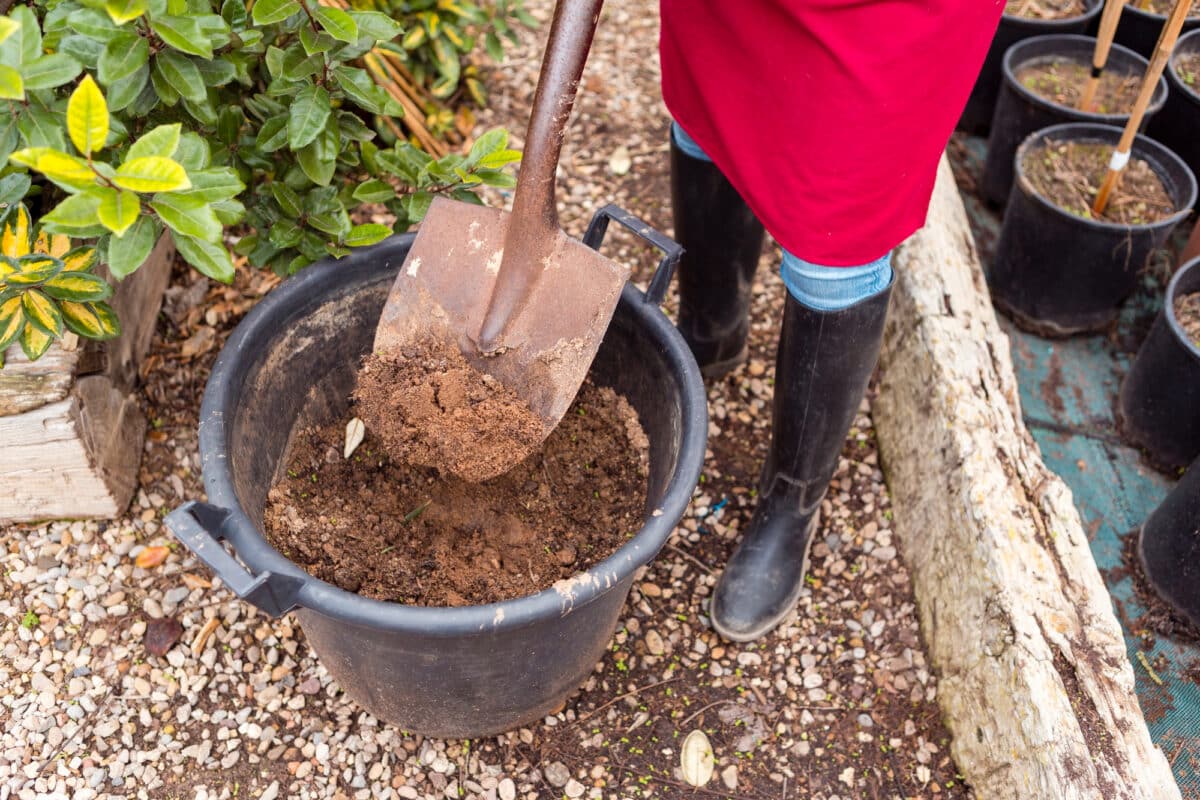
x: 829, y: 116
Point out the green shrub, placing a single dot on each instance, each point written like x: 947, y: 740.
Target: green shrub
x: 194, y: 117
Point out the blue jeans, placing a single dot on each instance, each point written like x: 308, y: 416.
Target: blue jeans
x: 818, y: 287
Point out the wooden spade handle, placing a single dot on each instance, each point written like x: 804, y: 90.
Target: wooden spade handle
x: 1162, y: 52
x: 533, y: 225
x: 1104, y: 40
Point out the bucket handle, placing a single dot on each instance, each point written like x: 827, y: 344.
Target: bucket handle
x: 671, y: 249
x: 200, y: 527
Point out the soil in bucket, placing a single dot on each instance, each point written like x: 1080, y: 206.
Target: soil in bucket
x: 395, y: 531
x: 1163, y: 7
x: 1187, y: 67
x: 1187, y: 312
x: 1061, y: 81
x: 1045, y: 9
x: 1069, y: 174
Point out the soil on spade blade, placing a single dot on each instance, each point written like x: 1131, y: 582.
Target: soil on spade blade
x: 1187, y: 312
x: 1044, y: 9
x: 1061, y: 81
x: 410, y: 534
x: 429, y: 407
x: 1069, y: 175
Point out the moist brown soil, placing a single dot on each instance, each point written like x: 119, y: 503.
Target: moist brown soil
x: 1159, y: 617
x: 1044, y: 9
x: 1187, y: 67
x: 1069, y: 175
x: 1187, y: 312
x: 428, y: 406
x: 376, y: 526
x: 1163, y: 7
x: 1061, y: 81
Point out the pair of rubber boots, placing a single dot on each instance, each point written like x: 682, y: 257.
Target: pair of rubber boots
x: 824, y: 362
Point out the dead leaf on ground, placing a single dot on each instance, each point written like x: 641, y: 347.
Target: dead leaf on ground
x: 620, y: 161
x: 696, y: 759
x: 195, y: 581
x: 152, y: 557
x: 198, y: 343
x: 161, y: 635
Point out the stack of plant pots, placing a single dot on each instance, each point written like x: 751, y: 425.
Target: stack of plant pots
x: 1021, y: 109
x: 1057, y: 272
x: 977, y: 115
x: 1178, y: 124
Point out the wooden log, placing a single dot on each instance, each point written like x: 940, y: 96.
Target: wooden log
x: 1035, y: 685
x: 71, y: 428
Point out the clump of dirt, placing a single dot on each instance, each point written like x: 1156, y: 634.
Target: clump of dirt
x: 1187, y: 313
x: 1069, y: 175
x: 1164, y: 7
x: 1061, y: 80
x: 428, y: 406
x: 1187, y: 67
x: 384, y: 529
x: 1044, y: 9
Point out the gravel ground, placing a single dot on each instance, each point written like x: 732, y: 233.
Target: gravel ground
x: 838, y: 703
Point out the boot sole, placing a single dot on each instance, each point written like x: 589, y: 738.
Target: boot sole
x: 773, y: 622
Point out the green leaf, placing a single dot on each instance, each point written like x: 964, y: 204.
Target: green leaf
x: 273, y: 134
x: 490, y: 142
x: 416, y: 204
x: 35, y: 342
x: 122, y: 93
x: 493, y: 47
x: 13, y: 188
x: 29, y: 156
x: 188, y: 216
x: 319, y: 159
x: 152, y: 174
x: 11, y: 85
x: 374, y: 191
x: 160, y: 141
x: 184, y: 34
x: 85, y: 50
x: 267, y: 12
x: 23, y: 43
x: 87, y: 117
x: 314, y: 42
x: 8, y: 27
x: 376, y: 25
x: 193, y: 151
x: 122, y: 57
x: 77, y: 211
x: 81, y: 259
x: 179, y: 71
x: 287, y: 198
x: 123, y: 11
x: 491, y: 177
x: 78, y: 287
x: 50, y: 71
x: 285, y: 233
x: 91, y: 320
x: 12, y: 321
x: 309, y: 112
x: 362, y: 235
x: 209, y: 259
x: 337, y: 23
x: 359, y: 86
x: 335, y: 224
x: 214, y: 185
x: 131, y: 251
x: 229, y: 212
x: 217, y: 72
x: 42, y: 312
x: 118, y: 210
x: 70, y: 172
x: 42, y: 128
x: 93, y: 23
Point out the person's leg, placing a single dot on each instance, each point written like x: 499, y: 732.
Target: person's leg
x: 722, y: 240
x: 828, y: 345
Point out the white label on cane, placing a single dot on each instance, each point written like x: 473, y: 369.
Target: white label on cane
x: 1118, y: 160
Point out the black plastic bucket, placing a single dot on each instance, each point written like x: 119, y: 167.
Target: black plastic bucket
x: 448, y: 672
x: 1020, y: 111
x: 1169, y: 547
x: 1159, y: 404
x: 1139, y: 29
x: 1178, y: 124
x: 977, y: 116
x: 1056, y: 273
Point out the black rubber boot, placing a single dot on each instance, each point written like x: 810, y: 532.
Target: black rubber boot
x: 824, y: 363
x: 722, y: 241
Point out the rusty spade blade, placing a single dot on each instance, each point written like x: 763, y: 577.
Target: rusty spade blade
x: 522, y: 300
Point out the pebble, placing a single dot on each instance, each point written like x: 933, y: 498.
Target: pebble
x: 729, y: 777
x: 654, y: 643
x: 573, y: 788
x: 557, y: 774
x: 507, y: 789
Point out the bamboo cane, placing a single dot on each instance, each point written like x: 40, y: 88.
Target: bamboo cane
x: 1104, y: 40
x: 1162, y: 52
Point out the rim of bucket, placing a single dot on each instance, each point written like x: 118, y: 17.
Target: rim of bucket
x: 1169, y: 306
x: 1190, y: 21
x: 1009, y: 68
x: 329, y: 600
x: 1143, y: 146
x: 1093, y: 8
x: 1188, y: 44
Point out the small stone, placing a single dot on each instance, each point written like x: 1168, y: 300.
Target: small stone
x: 812, y: 680
x: 98, y: 637
x: 304, y: 770
x: 654, y: 643
x: 729, y: 777
x: 507, y: 789
x: 865, y: 721
x: 310, y: 686
x: 557, y: 774
x: 884, y: 553
x: 651, y: 589
x: 272, y: 791
x: 573, y: 788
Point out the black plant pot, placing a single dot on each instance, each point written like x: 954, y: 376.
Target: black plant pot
x: 1020, y: 111
x: 1169, y: 547
x: 1056, y: 273
x: 1139, y: 30
x: 1178, y: 124
x: 977, y: 116
x: 448, y: 672
x: 1159, y: 408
